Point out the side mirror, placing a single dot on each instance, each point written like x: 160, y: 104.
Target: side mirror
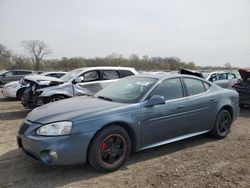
x: 79, y: 79
x: 155, y: 100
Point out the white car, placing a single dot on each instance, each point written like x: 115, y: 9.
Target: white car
x: 82, y: 81
x: 15, y: 89
x: 223, y: 79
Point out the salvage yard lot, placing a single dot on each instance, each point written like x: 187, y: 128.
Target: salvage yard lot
x: 196, y: 162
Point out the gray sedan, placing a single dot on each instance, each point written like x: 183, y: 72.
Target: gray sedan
x: 132, y: 114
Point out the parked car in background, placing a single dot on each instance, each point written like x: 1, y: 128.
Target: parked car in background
x: 191, y: 72
x: 15, y: 89
x: 83, y: 81
x: 13, y: 75
x: 132, y: 114
x: 223, y: 79
x: 243, y: 87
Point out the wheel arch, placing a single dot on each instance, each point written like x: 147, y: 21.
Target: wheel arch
x: 229, y: 109
x: 19, y: 90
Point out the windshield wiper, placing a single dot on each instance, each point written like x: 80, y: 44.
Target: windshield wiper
x: 105, y: 98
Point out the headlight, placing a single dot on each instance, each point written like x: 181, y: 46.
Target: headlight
x: 55, y: 129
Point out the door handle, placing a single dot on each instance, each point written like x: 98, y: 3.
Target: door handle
x: 180, y: 107
x: 213, y: 99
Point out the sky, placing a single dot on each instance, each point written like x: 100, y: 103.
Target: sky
x: 206, y: 32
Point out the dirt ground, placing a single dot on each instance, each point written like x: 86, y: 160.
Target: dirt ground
x: 196, y: 162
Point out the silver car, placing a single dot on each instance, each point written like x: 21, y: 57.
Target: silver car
x: 13, y: 75
x: 15, y: 89
x: 82, y: 81
x: 223, y: 79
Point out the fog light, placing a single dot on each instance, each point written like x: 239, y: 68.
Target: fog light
x: 53, y: 155
x: 48, y: 156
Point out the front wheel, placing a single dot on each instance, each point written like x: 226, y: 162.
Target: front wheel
x: 222, y: 125
x: 55, y: 98
x: 109, y: 149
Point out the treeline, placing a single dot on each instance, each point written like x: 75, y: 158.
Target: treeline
x: 9, y: 61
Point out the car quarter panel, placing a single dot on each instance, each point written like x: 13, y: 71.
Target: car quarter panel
x: 230, y: 98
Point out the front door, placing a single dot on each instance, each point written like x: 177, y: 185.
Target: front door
x: 165, y: 121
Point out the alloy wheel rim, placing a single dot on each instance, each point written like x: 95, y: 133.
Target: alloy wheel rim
x: 112, y: 150
x: 224, y: 124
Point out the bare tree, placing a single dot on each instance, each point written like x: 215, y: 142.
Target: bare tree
x: 36, y: 50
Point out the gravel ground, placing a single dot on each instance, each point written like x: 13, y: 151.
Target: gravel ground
x: 197, y: 162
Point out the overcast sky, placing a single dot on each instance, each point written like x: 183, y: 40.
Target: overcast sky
x: 206, y: 32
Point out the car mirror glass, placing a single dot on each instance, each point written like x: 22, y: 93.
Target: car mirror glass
x: 79, y: 79
x: 155, y: 100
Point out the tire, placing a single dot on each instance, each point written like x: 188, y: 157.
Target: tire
x: 222, y: 125
x: 19, y: 94
x: 55, y: 98
x: 109, y: 149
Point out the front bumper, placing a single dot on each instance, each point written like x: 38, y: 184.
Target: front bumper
x: 54, y: 150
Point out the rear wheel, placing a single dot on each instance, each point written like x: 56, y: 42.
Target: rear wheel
x: 222, y: 125
x: 109, y: 149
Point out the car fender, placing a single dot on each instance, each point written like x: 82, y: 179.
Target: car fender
x: 64, y: 89
x: 129, y: 120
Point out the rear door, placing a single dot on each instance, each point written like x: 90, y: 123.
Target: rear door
x: 165, y: 121
x: 222, y: 80
x: 202, y: 105
x: 232, y: 79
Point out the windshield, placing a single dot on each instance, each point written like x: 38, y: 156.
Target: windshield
x: 127, y: 90
x: 70, y: 74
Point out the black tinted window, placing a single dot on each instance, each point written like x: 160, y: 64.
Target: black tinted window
x: 194, y: 86
x: 110, y: 74
x: 169, y: 89
x: 124, y: 73
x: 222, y: 76
x: 22, y: 72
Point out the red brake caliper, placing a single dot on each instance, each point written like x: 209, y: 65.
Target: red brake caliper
x: 103, y: 146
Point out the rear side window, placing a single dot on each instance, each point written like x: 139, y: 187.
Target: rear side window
x: 230, y: 76
x: 195, y: 86
x: 110, y: 74
x: 169, y: 89
x: 124, y: 73
x: 22, y: 72
x: 222, y: 76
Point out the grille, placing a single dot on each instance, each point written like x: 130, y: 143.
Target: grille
x: 23, y: 128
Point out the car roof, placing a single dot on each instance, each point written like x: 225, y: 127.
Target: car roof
x: 21, y: 70
x: 106, y: 68
x: 166, y: 75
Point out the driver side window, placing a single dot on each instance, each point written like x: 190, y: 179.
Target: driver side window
x: 90, y: 76
x: 169, y: 89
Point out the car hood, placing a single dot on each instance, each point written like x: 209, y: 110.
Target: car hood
x: 43, y: 80
x: 68, y: 109
x: 244, y: 73
x: 11, y: 83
